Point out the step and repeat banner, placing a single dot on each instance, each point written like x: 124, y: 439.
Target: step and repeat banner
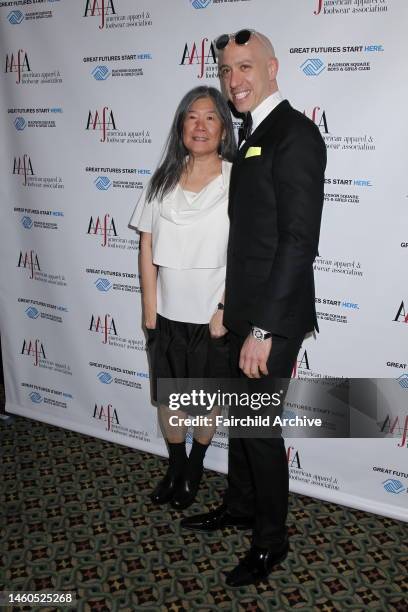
x: 88, y: 92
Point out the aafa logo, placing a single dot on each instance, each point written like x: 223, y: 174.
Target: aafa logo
x: 99, y: 8
x: 29, y: 260
x: 394, y: 427
x: 318, y: 8
x: 17, y: 62
x: 35, y: 348
x: 293, y: 458
x: 302, y: 362
x: 107, y: 414
x: 23, y: 166
x: 105, y: 228
x: 401, y: 316
x: 103, y: 325
x: 318, y: 116
x: 201, y: 55
x: 101, y: 120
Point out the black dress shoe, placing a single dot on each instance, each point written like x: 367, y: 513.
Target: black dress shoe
x: 256, y: 565
x: 185, y: 493
x: 216, y: 519
x: 165, y: 489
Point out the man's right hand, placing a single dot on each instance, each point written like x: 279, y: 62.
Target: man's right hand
x: 254, y: 355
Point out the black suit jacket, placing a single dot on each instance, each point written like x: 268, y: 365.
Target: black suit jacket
x: 275, y: 206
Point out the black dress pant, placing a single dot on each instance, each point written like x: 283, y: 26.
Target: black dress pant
x: 258, y: 475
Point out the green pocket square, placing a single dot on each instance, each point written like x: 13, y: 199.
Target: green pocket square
x: 253, y: 152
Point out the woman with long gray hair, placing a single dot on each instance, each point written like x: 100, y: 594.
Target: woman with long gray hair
x: 183, y: 221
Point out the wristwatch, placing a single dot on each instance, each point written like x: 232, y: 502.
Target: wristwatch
x: 260, y: 334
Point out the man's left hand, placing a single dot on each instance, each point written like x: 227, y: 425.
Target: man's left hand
x: 254, y: 355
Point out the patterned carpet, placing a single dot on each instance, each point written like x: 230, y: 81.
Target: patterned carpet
x: 75, y: 515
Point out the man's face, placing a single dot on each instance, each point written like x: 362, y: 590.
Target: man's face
x: 247, y: 74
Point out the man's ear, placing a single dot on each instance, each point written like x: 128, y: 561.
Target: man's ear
x: 273, y: 67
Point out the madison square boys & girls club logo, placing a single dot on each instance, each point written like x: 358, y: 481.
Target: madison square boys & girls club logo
x: 113, y: 66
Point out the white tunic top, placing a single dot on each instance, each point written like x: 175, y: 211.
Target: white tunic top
x: 189, y: 243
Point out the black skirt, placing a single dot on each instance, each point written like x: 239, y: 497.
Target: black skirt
x: 185, y: 350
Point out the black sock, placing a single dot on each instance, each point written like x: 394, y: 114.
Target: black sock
x: 177, y: 456
x: 195, y: 460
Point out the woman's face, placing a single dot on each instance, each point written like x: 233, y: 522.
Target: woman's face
x: 202, y: 128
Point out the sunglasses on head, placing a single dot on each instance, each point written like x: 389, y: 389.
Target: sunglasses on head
x: 240, y: 38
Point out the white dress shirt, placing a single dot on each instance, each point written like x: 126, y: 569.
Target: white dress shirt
x: 263, y: 109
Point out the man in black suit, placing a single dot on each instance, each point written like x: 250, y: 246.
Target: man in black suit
x: 276, y: 199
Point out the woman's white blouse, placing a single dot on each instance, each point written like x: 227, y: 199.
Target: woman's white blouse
x: 189, y: 243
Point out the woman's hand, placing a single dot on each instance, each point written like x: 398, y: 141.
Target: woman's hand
x: 150, y: 320
x: 217, y: 329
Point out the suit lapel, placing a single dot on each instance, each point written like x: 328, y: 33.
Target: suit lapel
x: 263, y: 127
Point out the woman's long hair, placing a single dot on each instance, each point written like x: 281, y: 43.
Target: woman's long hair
x: 169, y: 172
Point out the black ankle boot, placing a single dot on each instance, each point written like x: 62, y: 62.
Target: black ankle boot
x: 165, y: 489
x: 186, y: 491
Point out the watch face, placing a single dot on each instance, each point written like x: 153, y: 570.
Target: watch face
x: 258, y: 334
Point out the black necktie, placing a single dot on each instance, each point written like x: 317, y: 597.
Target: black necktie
x: 245, y: 130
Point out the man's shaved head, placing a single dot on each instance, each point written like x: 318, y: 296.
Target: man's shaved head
x: 266, y: 44
x: 263, y: 41
x: 248, y: 72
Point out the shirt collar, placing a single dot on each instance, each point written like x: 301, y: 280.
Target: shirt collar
x: 264, y: 108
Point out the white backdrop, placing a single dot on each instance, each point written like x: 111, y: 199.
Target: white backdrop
x: 89, y: 88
